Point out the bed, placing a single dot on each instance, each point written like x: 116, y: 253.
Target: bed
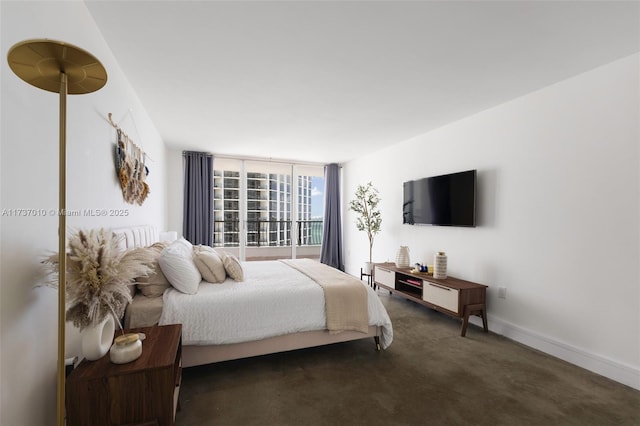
x: 278, y: 306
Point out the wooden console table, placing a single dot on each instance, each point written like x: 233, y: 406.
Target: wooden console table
x: 452, y: 296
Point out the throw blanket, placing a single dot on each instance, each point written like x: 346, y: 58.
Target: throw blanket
x: 345, y: 296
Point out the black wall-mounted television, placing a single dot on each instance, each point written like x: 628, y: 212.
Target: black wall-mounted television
x: 446, y: 200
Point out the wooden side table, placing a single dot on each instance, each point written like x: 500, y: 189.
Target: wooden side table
x: 142, y: 392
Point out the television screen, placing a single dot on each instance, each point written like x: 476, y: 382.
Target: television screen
x: 446, y: 200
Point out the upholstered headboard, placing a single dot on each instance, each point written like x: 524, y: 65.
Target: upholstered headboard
x: 137, y: 236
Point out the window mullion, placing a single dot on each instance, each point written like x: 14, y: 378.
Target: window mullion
x: 294, y: 210
x: 243, y: 212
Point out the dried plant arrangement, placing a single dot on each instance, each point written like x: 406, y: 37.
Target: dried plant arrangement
x: 99, y: 274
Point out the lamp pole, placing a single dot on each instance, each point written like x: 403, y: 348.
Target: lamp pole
x: 62, y: 68
x: 62, y: 245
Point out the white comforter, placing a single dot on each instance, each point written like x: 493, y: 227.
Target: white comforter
x: 274, y: 299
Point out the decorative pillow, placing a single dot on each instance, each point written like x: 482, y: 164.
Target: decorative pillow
x: 176, y: 262
x: 156, y: 283
x: 209, y: 264
x: 233, y: 267
x: 202, y: 247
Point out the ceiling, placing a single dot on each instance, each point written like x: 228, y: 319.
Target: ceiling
x: 325, y: 81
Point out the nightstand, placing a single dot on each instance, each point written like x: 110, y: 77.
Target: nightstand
x: 142, y: 392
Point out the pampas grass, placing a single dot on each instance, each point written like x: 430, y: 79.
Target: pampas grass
x: 99, y: 275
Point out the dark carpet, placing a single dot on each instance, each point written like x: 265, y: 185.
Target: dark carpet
x: 428, y: 376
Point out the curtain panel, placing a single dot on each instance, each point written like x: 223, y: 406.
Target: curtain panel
x: 331, y: 250
x: 197, y: 224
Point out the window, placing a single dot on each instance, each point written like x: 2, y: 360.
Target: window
x: 268, y: 209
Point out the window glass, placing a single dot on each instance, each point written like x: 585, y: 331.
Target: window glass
x: 256, y: 201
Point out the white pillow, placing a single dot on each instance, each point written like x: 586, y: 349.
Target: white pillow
x: 176, y: 262
x: 209, y: 264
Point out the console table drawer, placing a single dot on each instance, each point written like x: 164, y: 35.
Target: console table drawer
x: 444, y: 297
x: 385, y: 277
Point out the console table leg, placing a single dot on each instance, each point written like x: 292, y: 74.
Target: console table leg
x: 471, y: 309
x: 465, y: 322
x: 484, y: 321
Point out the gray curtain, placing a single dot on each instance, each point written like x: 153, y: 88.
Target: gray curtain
x: 331, y: 251
x: 197, y: 225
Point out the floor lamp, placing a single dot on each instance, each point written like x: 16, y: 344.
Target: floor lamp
x: 61, y: 68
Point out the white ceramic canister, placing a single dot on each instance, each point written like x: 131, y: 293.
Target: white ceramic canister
x: 440, y: 265
x: 126, y: 348
x: 402, y: 257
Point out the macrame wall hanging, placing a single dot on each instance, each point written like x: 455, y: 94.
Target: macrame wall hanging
x: 131, y: 168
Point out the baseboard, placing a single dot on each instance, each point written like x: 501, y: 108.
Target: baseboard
x: 614, y: 370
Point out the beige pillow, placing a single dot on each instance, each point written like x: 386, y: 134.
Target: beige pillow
x: 202, y: 247
x: 209, y: 264
x: 233, y: 267
x: 156, y: 283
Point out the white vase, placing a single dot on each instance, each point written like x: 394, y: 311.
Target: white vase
x: 367, y: 268
x: 97, y: 339
x: 402, y: 257
x: 440, y: 265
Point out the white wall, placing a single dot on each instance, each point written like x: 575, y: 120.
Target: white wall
x: 29, y: 179
x: 558, y: 215
x: 175, y: 189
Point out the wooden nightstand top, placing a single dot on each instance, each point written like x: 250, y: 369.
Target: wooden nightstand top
x: 158, y: 351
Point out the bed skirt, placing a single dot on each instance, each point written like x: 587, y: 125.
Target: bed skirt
x: 193, y: 355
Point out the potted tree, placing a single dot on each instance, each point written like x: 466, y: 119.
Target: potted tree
x: 369, y: 219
